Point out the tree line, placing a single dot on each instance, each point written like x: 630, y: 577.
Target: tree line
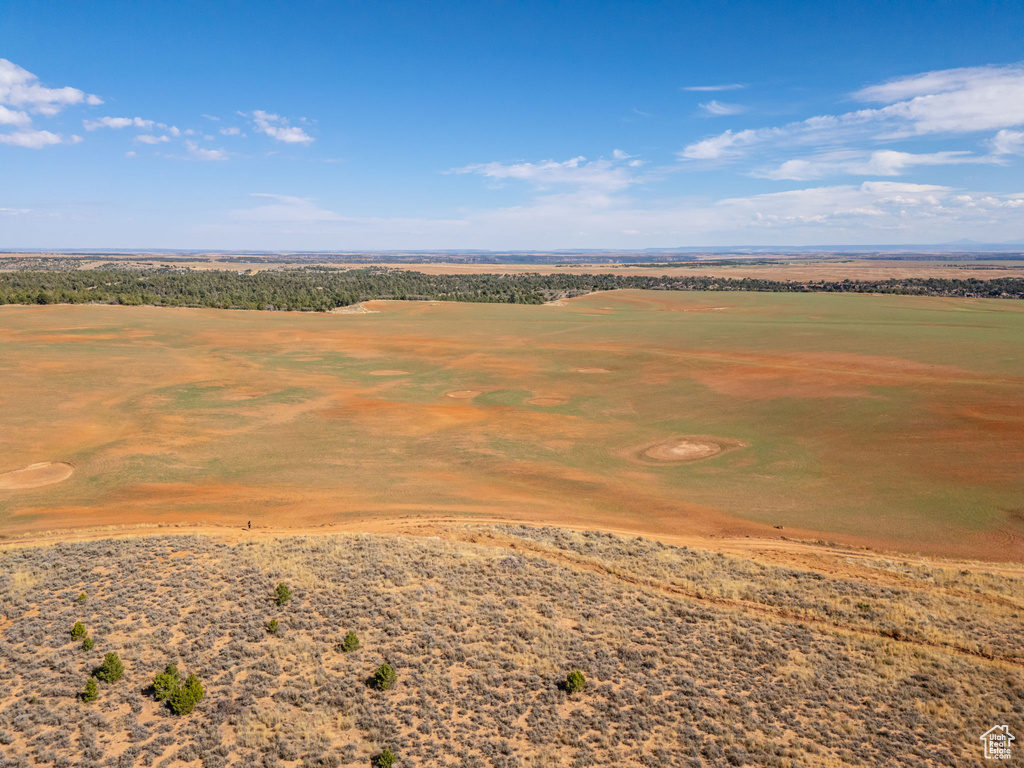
x: 324, y: 288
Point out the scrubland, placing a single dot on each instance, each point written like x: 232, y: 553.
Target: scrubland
x: 692, y: 658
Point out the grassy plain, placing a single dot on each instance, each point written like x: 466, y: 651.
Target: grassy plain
x: 885, y: 420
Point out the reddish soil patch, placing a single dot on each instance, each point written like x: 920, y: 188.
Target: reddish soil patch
x: 36, y: 476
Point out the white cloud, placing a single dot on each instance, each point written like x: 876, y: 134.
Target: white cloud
x: 871, y: 212
x: 146, y: 138
x: 198, y: 153
x: 20, y: 88
x: 1008, y: 142
x: 710, y: 88
x: 958, y: 101
x: 230, y: 131
x: 13, y: 117
x: 117, y: 122
x: 603, y: 175
x: 278, y: 127
x: 725, y: 145
x: 717, y: 108
x: 31, y: 139
x: 884, y: 162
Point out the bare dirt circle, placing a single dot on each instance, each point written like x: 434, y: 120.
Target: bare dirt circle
x: 683, y: 448
x: 590, y: 370
x: 547, y: 401
x: 389, y: 372
x: 35, y: 475
x: 463, y: 394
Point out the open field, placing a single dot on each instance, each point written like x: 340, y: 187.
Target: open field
x: 836, y: 658
x: 887, y: 421
x: 797, y: 270
x: 788, y: 268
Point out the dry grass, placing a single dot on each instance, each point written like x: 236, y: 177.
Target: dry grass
x: 693, y: 658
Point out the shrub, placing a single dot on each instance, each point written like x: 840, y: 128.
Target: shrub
x: 282, y: 594
x: 111, y: 670
x: 92, y: 690
x: 350, y: 643
x: 78, y: 631
x: 81, y: 598
x: 575, y: 682
x: 88, y: 644
x: 384, y: 677
x: 385, y: 759
x: 166, y: 683
x: 185, y: 698
x: 272, y: 626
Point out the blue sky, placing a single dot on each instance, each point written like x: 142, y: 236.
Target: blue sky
x: 509, y: 125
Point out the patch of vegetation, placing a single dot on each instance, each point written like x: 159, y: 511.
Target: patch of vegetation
x: 575, y: 682
x: 184, y: 699
x: 320, y: 288
x: 166, y: 683
x: 181, y: 697
x: 282, y: 594
x: 78, y: 631
x: 111, y: 669
x: 91, y: 691
x: 384, y: 677
x: 88, y: 644
x: 272, y: 626
x: 350, y: 643
x: 385, y: 759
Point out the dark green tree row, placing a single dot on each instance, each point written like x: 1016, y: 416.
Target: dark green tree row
x: 321, y: 289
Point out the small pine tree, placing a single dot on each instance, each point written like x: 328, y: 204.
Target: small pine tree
x: 194, y: 688
x: 184, y: 699
x: 111, y: 670
x: 575, y: 682
x: 385, y: 759
x: 166, y: 683
x: 282, y: 594
x: 272, y: 626
x: 181, y: 703
x: 81, y: 598
x: 88, y: 644
x: 92, y: 690
x: 384, y: 677
x: 350, y: 643
x: 78, y: 631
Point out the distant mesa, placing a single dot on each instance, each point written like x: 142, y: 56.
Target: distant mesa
x: 591, y: 370
x: 683, y: 448
x: 463, y: 394
x: 389, y: 372
x: 36, y: 476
